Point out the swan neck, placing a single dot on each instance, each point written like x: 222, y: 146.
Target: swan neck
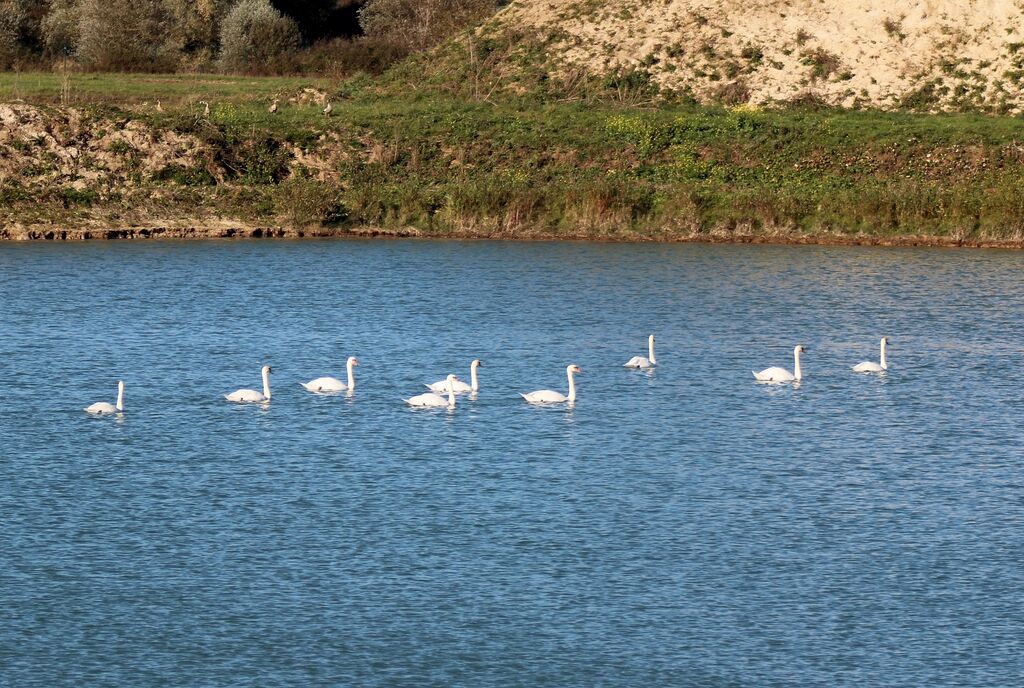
x: 572, y: 386
x: 650, y: 352
x: 474, y: 384
x: 351, y: 376
x: 451, y: 394
x: 797, y: 373
x: 266, y: 384
x: 120, y: 398
x: 885, y: 365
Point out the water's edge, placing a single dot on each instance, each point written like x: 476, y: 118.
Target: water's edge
x: 241, y: 230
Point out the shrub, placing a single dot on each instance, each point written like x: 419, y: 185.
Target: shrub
x: 630, y: 85
x: 732, y: 93
x: 60, y: 28
x: 808, y: 101
x: 419, y: 24
x: 12, y: 14
x: 346, y: 56
x: 254, y: 35
x: 823, y: 63
x: 753, y: 53
x: 894, y: 28
x: 307, y: 202
x: 123, y: 35
x: 924, y: 98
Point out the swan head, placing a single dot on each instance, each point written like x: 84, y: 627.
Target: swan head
x: 451, y: 379
x: 353, y: 361
x: 476, y: 363
x: 574, y: 369
x: 800, y: 349
x: 651, y: 339
x: 885, y: 341
x: 120, y: 385
x: 266, y: 370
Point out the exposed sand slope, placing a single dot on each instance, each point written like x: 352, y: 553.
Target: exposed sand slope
x: 962, y: 53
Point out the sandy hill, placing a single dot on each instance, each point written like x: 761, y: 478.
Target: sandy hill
x: 914, y: 54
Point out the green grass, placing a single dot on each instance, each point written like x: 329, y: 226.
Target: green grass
x: 125, y: 90
x: 447, y: 163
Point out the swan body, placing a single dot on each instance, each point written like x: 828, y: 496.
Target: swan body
x: 434, y: 400
x: 460, y: 387
x: 871, y: 366
x: 251, y: 396
x: 547, y: 396
x: 648, y: 361
x: 326, y: 385
x: 103, y: 408
x: 776, y: 374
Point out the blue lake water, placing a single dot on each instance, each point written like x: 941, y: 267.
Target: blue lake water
x: 684, y: 527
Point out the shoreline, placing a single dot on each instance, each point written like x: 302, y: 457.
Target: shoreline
x: 221, y: 230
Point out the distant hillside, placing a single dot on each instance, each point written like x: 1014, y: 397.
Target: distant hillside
x: 916, y: 55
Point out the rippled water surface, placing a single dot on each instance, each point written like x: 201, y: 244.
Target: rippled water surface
x: 681, y: 527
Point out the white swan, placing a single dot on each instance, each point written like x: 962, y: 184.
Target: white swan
x: 102, y: 408
x: 332, y: 384
x: 776, y: 374
x: 547, y: 396
x: 432, y: 400
x: 871, y: 366
x: 643, y: 362
x: 251, y: 396
x: 460, y: 387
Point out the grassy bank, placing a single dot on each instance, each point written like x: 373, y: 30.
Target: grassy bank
x: 436, y: 164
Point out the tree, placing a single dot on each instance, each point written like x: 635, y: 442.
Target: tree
x: 195, y: 28
x: 12, y: 16
x: 60, y: 28
x: 419, y: 24
x: 130, y: 35
x: 254, y: 35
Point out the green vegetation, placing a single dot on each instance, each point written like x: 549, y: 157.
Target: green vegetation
x: 466, y: 164
x: 313, y: 37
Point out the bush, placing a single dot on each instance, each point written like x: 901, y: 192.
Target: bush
x: 123, y: 35
x: 309, y: 202
x: 420, y: 24
x: 12, y: 14
x: 822, y: 63
x: 60, y: 28
x: 732, y: 93
x: 255, y: 35
x: 343, y: 57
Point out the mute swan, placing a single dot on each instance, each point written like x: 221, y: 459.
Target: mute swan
x: 333, y: 384
x: 776, y: 374
x: 460, y: 387
x: 640, y: 361
x: 102, y: 408
x: 547, y: 396
x: 251, y: 396
x: 871, y: 366
x: 432, y: 400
